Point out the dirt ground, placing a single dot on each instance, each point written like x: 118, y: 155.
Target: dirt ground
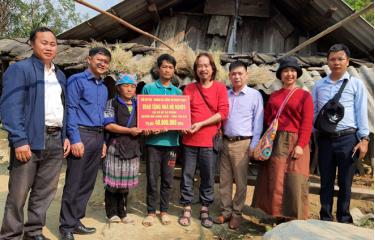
x: 251, y: 227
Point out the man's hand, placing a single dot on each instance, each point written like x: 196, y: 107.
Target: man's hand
x: 104, y: 150
x: 135, y: 131
x: 23, y: 153
x: 77, y: 149
x: 297, y: 152
x: 66, y: 147
x: 362, y: 146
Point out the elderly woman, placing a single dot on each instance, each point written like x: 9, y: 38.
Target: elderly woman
x: 121, y: 166
x: 282, y: 186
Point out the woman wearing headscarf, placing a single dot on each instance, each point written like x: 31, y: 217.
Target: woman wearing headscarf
x: 282, y: 185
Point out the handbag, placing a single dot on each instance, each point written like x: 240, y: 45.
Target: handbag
x: 217, y: 140
x: 331, y: 113
x: 263, y: 150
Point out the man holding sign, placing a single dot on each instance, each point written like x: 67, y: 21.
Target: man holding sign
x: 161, y: 146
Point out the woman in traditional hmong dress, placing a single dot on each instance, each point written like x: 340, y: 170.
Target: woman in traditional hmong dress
x: 121, y: 166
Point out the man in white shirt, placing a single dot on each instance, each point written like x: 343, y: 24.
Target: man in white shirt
x: 32, y: 111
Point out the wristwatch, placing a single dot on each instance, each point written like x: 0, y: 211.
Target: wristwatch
x: 365, y: 138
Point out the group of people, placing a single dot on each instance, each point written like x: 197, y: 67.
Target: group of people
x: 49, y: 118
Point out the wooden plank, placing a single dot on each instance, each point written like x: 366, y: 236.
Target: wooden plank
x: 251, y: 8
x: 192, y: 31
x: 307, y: 49
x: 282, y: 24
x: 167, y: 29
x: 255, y: 8
x: 217, y: 44
x: 180, y: 28
x: 218, y: 25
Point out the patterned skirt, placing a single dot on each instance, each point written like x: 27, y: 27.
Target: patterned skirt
x: 119, y: 174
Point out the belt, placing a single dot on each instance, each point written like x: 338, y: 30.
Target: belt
x: 236, y: 138
x: 52, y: 129
x: 93, y: 129
x: 338, y: 133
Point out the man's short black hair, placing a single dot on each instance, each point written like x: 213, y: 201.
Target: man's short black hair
x: 339, y: 47
x: 237, y: 64
x: 39, y: 29
x: 100, y: 50
x: 166, y: 57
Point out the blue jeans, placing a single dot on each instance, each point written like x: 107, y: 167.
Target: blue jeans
x: 206, y: 158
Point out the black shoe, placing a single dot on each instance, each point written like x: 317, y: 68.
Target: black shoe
x: 66, y: 236
x: 36, y: 237
x: 82, y: 230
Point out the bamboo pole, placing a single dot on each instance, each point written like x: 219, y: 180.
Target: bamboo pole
x: 123, y: 22
x: 328, y: 30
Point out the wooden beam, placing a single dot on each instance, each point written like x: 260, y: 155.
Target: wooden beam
x: 328, y: 30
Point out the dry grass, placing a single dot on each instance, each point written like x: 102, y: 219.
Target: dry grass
x: 185, y: 57
x: 120, y: 60
x: 221, y: 74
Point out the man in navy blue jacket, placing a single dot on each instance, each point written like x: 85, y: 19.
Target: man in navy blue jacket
x: 86, y: 99
x: 32, y: 110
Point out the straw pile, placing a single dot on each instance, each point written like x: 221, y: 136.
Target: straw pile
x: 221, y: 73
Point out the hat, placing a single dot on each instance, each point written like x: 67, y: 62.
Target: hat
x: 127, y: 79
x: 288, y: 62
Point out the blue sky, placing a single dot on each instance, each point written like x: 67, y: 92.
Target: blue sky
x: 102, y: 4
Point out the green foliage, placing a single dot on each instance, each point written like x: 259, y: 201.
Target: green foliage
x: 24, y: 15
x: 360, y: 4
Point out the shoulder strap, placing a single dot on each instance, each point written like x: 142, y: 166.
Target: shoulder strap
x: 205, y: 101
x: 285, y: 102
x: 338, y: 94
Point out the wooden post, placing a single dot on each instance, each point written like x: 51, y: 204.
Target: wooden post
x: 328, y: 30
x: 124, y: 23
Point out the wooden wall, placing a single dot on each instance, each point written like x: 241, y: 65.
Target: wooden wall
x: 211, y: 32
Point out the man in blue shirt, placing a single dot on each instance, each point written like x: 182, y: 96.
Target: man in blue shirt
x: 161, y: 146
x: 32, y: 109
x: 86, y: 99
x: 349, y: 143
x: 242, y: 131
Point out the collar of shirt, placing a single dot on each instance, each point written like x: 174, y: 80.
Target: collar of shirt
x: 329, y: 80
x: 49, y: 71
x: 244, y: 90
x: 160, y: 85
x: 90, y: 76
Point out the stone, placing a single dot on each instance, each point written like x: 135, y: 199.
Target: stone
x: 317, y: 230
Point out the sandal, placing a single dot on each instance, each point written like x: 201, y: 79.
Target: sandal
x: 149, y: 220
x: 185, y: 215
x: 165, y: 220
x: 206, y: 220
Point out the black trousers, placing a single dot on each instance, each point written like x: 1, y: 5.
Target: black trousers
x: 80, y: 180
x: 336, y: 153
x: 39, y: 177
x: 161, y: 162
x: 115, y: 203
